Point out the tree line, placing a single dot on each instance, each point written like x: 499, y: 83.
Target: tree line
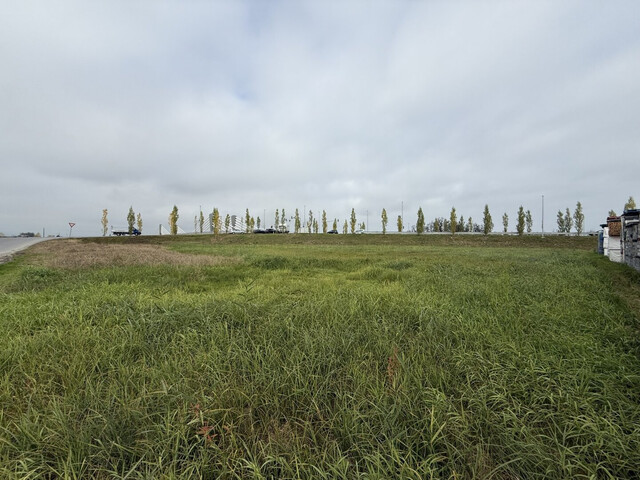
x: 566, y: 221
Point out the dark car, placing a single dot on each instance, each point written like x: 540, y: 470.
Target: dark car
x: 335, y: 232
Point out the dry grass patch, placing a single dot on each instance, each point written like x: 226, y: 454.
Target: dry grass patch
x: 74, y: 254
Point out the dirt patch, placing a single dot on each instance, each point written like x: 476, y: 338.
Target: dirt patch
x: 72, y: 254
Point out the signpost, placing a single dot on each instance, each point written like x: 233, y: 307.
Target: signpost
x: 71, y: 225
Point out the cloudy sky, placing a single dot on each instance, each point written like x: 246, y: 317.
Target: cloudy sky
x: 317, y: 105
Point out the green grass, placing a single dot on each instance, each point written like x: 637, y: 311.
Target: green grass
x: 324, y: 357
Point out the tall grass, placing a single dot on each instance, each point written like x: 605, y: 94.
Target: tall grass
x: 300, y: 359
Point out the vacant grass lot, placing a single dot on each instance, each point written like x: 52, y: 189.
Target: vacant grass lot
x: 304, y: 356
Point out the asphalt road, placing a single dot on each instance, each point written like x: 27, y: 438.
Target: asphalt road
x: 11, y: 245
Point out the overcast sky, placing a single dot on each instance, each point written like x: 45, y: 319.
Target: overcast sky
x: 327, y: 105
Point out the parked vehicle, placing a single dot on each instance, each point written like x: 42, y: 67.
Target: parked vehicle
x: 334, y: 232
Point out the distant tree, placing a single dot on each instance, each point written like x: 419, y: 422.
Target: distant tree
x: 215, y: 221
x: 521, y: 221
x: 630, y: 205
x: 296, y: 223
x: 139, y: 222
x: 315, y: 226
x: 385, y: 221
x: 560, y: 221
x: 460, y: 224
x: 470, y: 225
x: 399, y: 223
x: 227, y: 222
x: 612, y: 213
x: 283, y: 218
x: 363, y: 226
x: 335, y: 224
x: 453, y: 223
x: 253, y: 224
x: 201, y: 221
x: 105, y: 222
x: 247, y: 221
x: 353, y: 221
x: 277, y: 218
x: 420, y: 222
x: 258, y: 222
x: 578, y: 218
x: 345, y: 227
x: 529, y: 221
x: 568, y: 221
x: 195, y: 223
x: 173, y: 221
x: 505, y: 222
x: 437, y: 225
x: 310, y: 223
x: 324, y: 222
x: 488, y: 222
x: 131, y: 220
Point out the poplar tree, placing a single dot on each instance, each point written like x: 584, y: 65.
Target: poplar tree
x: 568, y: 221
x: 345, y: 227
x: 505, y: 222
x: 310, y: 223
x: 283, y: 218
x: 470, y: 225
x: 335, y: 224
x: 436, y: 225
x: 315, y: 226
x: 353, y: 221
x: 247, y: 221
x: 385, y: 220
x: 630, y: 205
x: 173, y: 221
x: 420, y: 222
x: 215, y: 221
x: 488, y: 222
x: 297, y: 222
x: 139, y: 222
x: 399, y: 223
x: 324, y: 222
x: 105, y: 222
x: 277, y: 218
x: 131, y: 219
x: 578, y: 218
x: 460, y: 224
x: 529, y: 221
x: 201, y: 221
x: 560, y: 221
x: 521, y: 219
x: 258, y: 222
x: 227, y: 222
x: 453, y: 222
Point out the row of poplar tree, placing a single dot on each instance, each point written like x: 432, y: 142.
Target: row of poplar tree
x: 566, y: 221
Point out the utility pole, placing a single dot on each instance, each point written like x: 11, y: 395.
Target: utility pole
x: 543, y: 216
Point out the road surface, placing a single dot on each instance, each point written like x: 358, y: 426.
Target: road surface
x: 10, y: 245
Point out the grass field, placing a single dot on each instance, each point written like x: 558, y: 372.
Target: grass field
x: 304, y: 356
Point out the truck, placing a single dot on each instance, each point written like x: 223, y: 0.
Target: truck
x: 118, y: 232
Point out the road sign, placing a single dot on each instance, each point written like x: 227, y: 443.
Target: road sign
x: 71, y: 224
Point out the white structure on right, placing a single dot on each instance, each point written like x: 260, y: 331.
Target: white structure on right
x: 611, y: 241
